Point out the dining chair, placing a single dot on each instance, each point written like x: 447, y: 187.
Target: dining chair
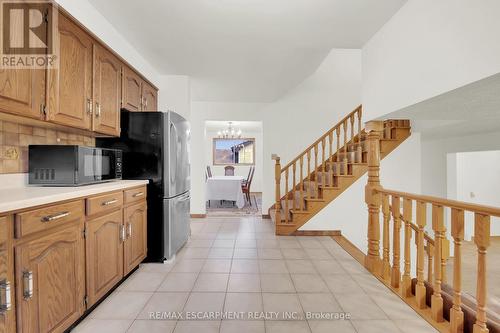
x: 229, y: 170
x: 246, y: 186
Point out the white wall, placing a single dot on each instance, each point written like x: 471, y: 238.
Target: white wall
x: 175, y: 94
x: 476, y: 180
x: 290, y: 124
x: 239, y: 170
x: 84, y: 12
x: 306, y: 112
x: 434, y: 157
x: 428, y: 48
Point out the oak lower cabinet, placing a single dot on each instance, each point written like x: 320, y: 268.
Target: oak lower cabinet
x: 135, y: 246
x: 107, y: 91
x: 50, y: 280
x: 7, y: 317
x: 104, y: 246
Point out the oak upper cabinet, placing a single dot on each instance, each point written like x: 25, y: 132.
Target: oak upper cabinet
x: 107, y: 91
x: 7, y: 320
x: 50, y: 280
x: 131, y: 90
x: 104, y: 248
x: 22, y: 92
x: 135, y: 248
x: 70, y: 85
x: 149, y: 97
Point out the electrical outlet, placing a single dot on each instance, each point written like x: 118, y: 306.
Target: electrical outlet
x: 11, y: 154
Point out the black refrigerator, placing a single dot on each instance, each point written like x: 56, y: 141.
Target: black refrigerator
x: 155, y: 147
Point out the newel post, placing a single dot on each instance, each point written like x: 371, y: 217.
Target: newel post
x: 277, y: 176
x: 373, y: 200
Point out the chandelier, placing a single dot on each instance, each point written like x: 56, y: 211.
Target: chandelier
x: 229, y: 132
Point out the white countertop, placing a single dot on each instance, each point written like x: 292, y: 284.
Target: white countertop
x: 22, y: 197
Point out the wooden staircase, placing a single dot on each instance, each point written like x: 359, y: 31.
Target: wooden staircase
x: 326, y: 169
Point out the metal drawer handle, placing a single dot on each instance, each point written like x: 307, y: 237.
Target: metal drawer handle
x: 129, y: 231
x: 138, y: 194
x: 5, y: 297
x: 28, y: 285
x: 89, y: 106
x: 58, y: 216
x: 97, y: 109
x: 110, y: 202
x: 122, y: 233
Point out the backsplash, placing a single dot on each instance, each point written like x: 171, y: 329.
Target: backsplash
x: 15, y: 138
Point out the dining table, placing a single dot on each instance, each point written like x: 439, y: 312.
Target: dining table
x: 226, y: 188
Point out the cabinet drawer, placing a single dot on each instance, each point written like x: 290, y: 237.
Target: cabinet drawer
x: 48, y: 217
x: 135, y: 194
x: 104, y: 203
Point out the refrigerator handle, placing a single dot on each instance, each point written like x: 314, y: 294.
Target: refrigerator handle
x: 173, y: 168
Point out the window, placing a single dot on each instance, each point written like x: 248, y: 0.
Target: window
x: 234, y: 151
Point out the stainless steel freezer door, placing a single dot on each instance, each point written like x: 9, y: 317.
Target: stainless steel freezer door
x: 177, y: 226
x: 177, y: 167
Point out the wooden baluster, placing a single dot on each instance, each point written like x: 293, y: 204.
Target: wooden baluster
x: 386, y: 265
x: 287, y: 211
x: 430, y: 265
x: 277, y: 177
x: 330, y: 141
x: 323, y: 166
x: 420, y: 287
x: 396, y: 246
x: 438, y: 227
x: 337, y: 165
x: 316, y: 171
x: 301, y: 202
x: 373, y: 263
x: 482, y: 240
x: 351, y: 119
x: 457, y: 232
x: 360, y: 148
x: 308, y: 189
x: 345, y: 161
x: 407, y: 216
x: 294, y: 185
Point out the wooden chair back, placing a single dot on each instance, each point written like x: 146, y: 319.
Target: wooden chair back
x: 229, y: 170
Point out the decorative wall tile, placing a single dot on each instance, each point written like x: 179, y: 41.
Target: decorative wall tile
x: 15, y: 138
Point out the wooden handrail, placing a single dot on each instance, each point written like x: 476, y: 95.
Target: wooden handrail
x: 397, y: 206
x: 331, y: 130
x: 482, y: 209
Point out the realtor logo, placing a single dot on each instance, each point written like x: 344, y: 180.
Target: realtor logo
x: 27, y: 34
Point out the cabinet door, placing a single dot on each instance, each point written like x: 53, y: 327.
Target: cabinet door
x: 7, y: 320
x: 50, y: 280
x: 131, y: 90
x: 22, y: 92
x: 107, y: 92
x: 104, y: 246
x: 70, y: 85
x: 150, y: 97
x: 135, y: 249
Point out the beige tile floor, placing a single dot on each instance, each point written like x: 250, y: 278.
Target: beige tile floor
x: 233, y: 265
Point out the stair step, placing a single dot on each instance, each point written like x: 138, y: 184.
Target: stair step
x: 304, y: 212
x: 314, y: 199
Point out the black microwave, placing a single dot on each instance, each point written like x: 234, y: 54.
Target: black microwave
x: 63, y: 165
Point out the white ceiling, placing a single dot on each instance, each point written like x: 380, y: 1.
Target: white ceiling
x: 468, y: 110
x: 244, y: 50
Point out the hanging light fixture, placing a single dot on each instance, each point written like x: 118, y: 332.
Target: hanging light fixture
x: 229, y: 132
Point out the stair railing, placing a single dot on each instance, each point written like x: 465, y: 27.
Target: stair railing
x: 409, y: 211
x: 296, y: 178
